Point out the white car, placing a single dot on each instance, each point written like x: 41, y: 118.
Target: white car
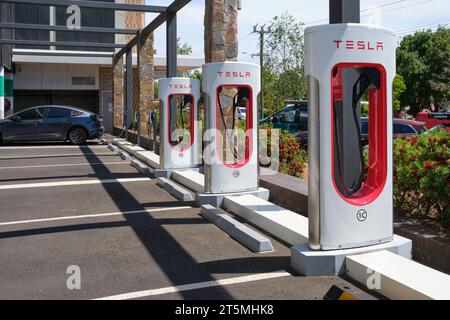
x: 242, y: 113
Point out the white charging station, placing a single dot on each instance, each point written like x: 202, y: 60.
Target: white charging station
x: 350, y: 209
x: 350, y: 202
x: 231, y: 142
x: 179, y: 126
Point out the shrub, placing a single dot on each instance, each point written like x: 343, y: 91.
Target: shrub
x: 422, y: 176
x: 292, y: 158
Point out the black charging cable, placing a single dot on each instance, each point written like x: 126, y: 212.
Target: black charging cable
x: 359, y: 88
x: 235, y: 152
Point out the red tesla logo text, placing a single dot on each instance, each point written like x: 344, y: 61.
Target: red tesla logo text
x: 359, y: 45
x: 180, y: 86
x: 229, y: 74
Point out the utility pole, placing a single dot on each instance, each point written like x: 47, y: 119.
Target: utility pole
x: 344, y: 11
x: 262, y: 31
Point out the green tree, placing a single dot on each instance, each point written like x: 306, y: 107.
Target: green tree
x: 184, y: 49
x: 272, y: 99
x: 399, y: 87
x: 423, y: 60
x: 283, y: 72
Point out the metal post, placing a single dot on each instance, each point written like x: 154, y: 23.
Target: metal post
x: 171, y: 45
x: 138, y: 119
x: 345, y: 11
x: 129, y: 90
x: 52, y: 23
x: 2, y: 92
x: 171, y: 64
x: 261, y: 63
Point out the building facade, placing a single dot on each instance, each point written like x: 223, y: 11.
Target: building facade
x: 70, y: 75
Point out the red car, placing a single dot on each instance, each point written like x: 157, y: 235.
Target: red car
x: 434, y: 119
x: 402, y: 129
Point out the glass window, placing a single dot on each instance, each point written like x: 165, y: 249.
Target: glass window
x: 364, y: 127
x: 286, y: 116
x: 83, y: 81
x: 76, y: 113
x: 403, y: 129
x: 33, y: 114
x: 59, y: 113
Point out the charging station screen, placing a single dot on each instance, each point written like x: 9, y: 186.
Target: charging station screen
x: 234, y: 125
x: 181, y: 121
x: 359, y: 134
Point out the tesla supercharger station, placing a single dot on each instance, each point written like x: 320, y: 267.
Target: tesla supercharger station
x: 179, y: 126
x: 231, y: 143
x: 350, y: 185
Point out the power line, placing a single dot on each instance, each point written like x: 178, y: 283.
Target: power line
x: 404, y: 7
x: 378, y: 7
x: 419, y: 26
x: 365, y: 10
x: 432, y: 27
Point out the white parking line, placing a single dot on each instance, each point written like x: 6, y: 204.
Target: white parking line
x: 71, y: 183
x: 51, y: 147
x: 200, y: 285
x: 56, y: 155
x: 65, y: 165
x: 90, y: 216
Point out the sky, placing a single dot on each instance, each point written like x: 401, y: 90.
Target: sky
x: 403, y: 16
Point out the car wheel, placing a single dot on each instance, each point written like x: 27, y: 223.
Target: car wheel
x: 77, y: 136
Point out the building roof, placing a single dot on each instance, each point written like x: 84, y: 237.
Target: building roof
x: 185, y: 62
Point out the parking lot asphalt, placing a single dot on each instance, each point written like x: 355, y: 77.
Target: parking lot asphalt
x: 63, y: 206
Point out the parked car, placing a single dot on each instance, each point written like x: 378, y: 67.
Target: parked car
x: 444, y: 126
x: 432, y: 119
x: 242, y: 113
x: 402, y: 128
x: 51, y: 123
x: 293, y: 118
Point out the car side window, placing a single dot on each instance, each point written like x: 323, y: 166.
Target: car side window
x: 403, y: 129
x: 76, y: 113
x: 364, y: 127
x: 33, y: 114
x: 59, y: 113
x: 287, y: 116
x: 28, y: 115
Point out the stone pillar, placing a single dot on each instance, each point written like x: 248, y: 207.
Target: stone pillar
x: 221, y: 40
x: 134, y: 20
x: 118, y: 95
x: 146, y: 80
x: 221, y: 44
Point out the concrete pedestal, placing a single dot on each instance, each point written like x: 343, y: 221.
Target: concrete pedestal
x: 332, y: 263
x: 216, y: 200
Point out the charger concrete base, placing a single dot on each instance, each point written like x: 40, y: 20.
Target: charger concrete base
x: 332, y: 263
x: 175, y: 190
x: 237, y: 230
x: 216, y: 200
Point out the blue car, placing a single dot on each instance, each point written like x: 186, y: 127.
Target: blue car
x: 51, y: 123
x: 293, y: 118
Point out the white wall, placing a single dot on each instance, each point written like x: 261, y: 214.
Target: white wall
x: 41, y: 76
